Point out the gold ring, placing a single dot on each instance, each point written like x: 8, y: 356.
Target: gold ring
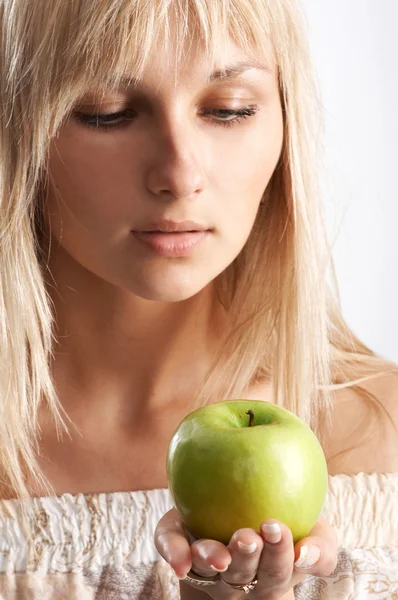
x: 248, y: 587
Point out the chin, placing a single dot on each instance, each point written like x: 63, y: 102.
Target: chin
x: 171, y: 289
x: 169, y: 297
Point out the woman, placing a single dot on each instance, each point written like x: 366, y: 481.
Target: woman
x: 162, y: 247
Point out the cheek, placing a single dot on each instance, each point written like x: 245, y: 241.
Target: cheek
x: 247, y: 172
x: 89, y: 192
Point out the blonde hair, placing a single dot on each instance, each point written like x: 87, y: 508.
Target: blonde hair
x: 284, y: 319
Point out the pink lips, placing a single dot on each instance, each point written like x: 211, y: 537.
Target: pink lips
x: 171, y: 244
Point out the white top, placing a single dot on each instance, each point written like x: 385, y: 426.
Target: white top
x: 100, y: 546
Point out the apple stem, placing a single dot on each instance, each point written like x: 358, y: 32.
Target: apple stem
x: 251, y: 413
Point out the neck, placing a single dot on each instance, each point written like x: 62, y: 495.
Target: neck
x: 119, y: 355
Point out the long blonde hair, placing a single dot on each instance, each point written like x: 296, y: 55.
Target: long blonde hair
x: 284, y: 319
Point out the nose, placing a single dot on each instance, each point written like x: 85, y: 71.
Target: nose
x: 176, y: 169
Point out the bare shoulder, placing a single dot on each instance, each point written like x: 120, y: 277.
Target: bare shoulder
x: 364, y: 436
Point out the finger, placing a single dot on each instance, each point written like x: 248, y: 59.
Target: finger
x: 172, y: 543
x: 275, y: 568
x: 245, y: 549
x: 317, y: 554
x: 209, y: 557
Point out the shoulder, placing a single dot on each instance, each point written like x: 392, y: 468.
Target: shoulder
x: 364, y: 435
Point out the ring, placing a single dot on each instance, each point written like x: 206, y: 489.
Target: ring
x: 198, y: 580
x: 204, y: 581
x: 244, y: 588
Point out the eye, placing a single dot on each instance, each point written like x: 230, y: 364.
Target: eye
x: 106, y: 121
x: 226, y: 117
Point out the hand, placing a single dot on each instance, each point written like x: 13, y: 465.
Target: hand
x: 272, y: 561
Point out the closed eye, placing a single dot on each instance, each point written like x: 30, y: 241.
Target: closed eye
x: 218, y: 116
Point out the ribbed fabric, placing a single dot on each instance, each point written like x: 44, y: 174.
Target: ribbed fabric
x: 72, y: 532
x: 364, y: 509
x: 100, y: 546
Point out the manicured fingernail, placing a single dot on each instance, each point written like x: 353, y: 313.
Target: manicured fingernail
x: 272, y: 532
x: 203, y: 552
x: 213, y: 568
x: 309, y: 555
x: 247, y: 548
x: 180, y: 576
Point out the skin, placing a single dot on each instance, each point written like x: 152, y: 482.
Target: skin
x: 126, y: 317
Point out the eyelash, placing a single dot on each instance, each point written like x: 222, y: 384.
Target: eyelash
x: 100, y: 121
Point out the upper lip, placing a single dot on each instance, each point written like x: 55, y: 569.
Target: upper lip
x: 168, y: 226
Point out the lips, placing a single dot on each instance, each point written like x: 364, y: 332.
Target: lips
x: 171, y: 244
x: 171, y: 226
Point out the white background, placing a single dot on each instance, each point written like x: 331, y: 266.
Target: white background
x: 355, y: 50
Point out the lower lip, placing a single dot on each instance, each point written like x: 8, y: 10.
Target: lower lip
x: 171, y: 244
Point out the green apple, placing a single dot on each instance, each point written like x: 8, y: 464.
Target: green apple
x: 233, y: 464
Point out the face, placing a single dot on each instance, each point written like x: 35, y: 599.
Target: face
x: 200, y: 148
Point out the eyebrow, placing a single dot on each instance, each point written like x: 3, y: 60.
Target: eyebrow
x: 228, y: 72
x: 231, y: 71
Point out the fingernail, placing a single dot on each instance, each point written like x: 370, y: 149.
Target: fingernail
x: 247, y: 548
x: 213, y: 568
x: 309, y: 555
x: 203, y: 552
x: 180, y: 576
x: 272, y: 532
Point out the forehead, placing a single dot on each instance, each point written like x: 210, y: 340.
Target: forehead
x: 195, y: 64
